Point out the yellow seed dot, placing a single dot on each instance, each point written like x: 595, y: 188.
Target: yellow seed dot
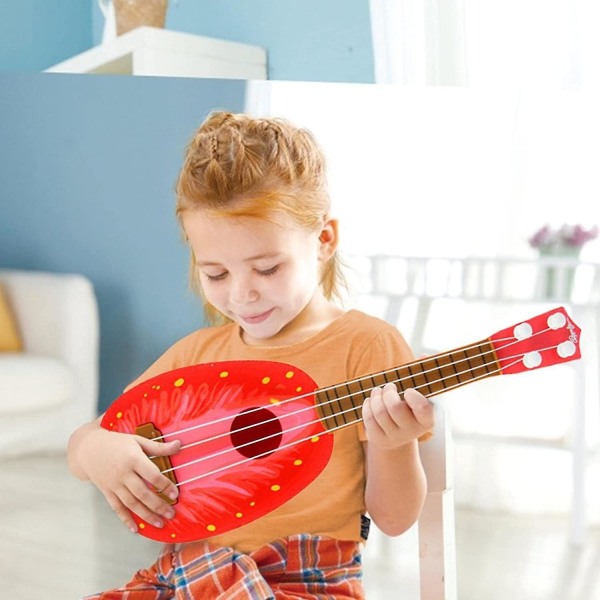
x: 211, y: 528
x: 252, y: 503
x: 179, y: 382
x: 173, y: 535
x: 119, y: 415
x: 223, y: 374
x: 266, y: 380
x: 297, y: 462
x: 289, y: 374
x: 142, y: 525
x: 274, y: 401
x: 298, y: 389
x: 314, y: 439
x: 275, y: 488
x: 239, y: 515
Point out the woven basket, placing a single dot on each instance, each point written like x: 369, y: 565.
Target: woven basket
x: 130, y: 14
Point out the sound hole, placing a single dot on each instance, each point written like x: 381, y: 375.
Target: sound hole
x: 256, y: 433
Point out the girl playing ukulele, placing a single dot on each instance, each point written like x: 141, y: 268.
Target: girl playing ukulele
x: 253, y: 207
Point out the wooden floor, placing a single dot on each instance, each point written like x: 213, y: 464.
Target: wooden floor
x: 60, y: 541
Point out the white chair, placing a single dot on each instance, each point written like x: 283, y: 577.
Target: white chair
x: 51, y: 387
x: 435, y: 528
x: 437, y: 545
x: 405, y: 289
x: 421, y: 563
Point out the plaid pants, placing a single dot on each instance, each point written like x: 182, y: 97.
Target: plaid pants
x: 299, y: 567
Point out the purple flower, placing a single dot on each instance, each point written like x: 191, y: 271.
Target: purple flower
x: 577, y: 236
x: 542, y: 238
x: 568, y: 236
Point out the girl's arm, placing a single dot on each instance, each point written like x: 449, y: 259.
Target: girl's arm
x: 396, y: 484
x: 118, y: 464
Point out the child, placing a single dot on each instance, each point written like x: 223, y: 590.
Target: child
x: 253, y: 207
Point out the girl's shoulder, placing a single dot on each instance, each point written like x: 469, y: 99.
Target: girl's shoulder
x: 358, y: 323
x: 373, y: 343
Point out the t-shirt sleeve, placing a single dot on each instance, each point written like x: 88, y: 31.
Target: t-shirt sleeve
x: 387, y: 350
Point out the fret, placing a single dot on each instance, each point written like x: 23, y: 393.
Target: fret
x: 341, y: 405
x: 409, y: 378
x: 406, y: 377
x: 346, y: 406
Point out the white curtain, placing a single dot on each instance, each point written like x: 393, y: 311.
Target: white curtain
x: 418, y: 42
x: 519, y: 44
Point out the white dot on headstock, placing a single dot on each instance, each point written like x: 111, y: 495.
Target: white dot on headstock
x: 556, y: 321
x: 522, y: 331
x: 566, y: 349
x: 532, y: 360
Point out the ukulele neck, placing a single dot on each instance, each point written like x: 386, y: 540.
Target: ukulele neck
x: 341, y: 405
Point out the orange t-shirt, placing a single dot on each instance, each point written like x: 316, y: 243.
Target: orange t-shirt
x: 352, y: 345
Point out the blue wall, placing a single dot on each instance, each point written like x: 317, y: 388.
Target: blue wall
x: 35, y: 34
x: 310, y: 40
x: 88, y: 163
x: 307, y: 40
x: 87, y: 169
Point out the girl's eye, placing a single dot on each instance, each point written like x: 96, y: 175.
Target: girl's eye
x: 218, y: 277
x: 271, y: 271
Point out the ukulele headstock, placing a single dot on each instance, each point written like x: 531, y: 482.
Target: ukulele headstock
x: 549, y: 339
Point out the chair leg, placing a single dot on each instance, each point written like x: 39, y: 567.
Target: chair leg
x: 579, y: 451
x: 437, y: 551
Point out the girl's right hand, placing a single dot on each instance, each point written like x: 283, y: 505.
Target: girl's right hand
x: 118, y: 464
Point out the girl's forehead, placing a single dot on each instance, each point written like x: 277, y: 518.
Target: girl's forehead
x: 241, y: 237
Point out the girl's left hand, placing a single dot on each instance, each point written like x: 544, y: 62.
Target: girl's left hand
x: 391, y: 421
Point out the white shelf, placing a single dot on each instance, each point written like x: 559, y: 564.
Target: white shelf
x: 165, y: 53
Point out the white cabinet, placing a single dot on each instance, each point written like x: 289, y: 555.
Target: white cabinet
x: 161, y: 52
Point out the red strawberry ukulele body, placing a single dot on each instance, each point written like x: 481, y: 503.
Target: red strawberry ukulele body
x: 255, y: 433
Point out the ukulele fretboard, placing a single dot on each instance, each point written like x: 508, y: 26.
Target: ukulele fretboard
x: 341, y: 405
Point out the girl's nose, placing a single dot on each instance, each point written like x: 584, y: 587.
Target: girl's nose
x: 243, y: 292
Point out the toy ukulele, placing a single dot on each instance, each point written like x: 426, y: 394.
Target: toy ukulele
x: 255, y: 433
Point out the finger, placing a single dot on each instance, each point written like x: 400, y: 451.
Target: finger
x: 367, y: 408
x: 147, y: 489
x: 380, y: 406
x: 121, y: 511
x: 138, y: 498
x: 154, y: 448
x: 150, y: 473
x: 421, y: 407
x: 376, y: 392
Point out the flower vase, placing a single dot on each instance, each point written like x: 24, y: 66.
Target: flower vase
x: 559, y: 271
x: 130, y: 14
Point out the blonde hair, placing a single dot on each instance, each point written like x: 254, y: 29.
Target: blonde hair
x: 237, y: 165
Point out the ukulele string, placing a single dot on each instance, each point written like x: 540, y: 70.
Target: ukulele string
x: 358, y: 380
x: 339, y: 413
x: 295, y: 442
x: 311, y: 406
x: 360, y: 392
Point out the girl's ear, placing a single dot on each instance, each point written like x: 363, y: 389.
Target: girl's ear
x: 328, y: 239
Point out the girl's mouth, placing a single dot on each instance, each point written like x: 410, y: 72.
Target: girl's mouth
x: 258, y: 318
